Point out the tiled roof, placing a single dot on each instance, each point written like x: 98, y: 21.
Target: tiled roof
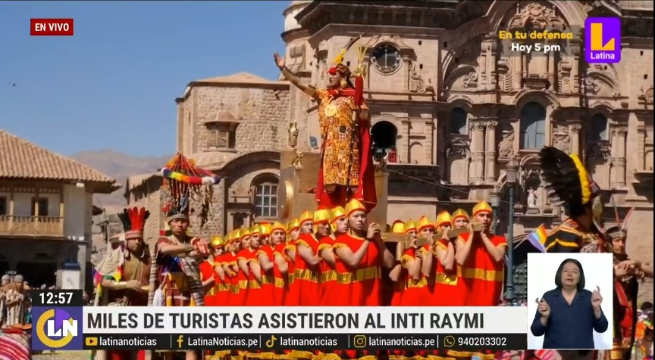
x: 21, y: 159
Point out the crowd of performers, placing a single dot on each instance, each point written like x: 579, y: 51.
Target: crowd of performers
x: 335, y: 257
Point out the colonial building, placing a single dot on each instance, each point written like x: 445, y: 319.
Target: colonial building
x: 451, y: 107
x: 46, y: 213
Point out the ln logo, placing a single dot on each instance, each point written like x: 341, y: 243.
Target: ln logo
x: 64, y: 328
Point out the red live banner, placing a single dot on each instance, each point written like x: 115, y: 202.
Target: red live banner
x: 51, y: 27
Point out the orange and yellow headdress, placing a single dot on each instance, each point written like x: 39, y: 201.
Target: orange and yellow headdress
x: 410, y: 226
x: 278, y: 226
x: 294, y: 225
x: 322, y: 216
x: 217, y: 242
x: 424, y: 223
x: 482, y: 206
x: 244, y: 233
x: 335, y: 214
x: 443, y: 218
x: 354, y: 205
x: 398, y: 227
x: 236, y: 235
x: 568, y: 181
x: 256, y: 230
x: 265, y: 229
x: 304, y: 217
x: 459, y: 213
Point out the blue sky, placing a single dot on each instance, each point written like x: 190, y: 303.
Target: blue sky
x: 113, y: 84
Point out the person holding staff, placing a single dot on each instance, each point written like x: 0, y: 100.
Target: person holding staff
x: 568, y: 315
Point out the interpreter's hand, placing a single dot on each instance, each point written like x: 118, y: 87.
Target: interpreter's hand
x: 133, y: 285
x: 543, y: 308
x: 279, y: 61
x: 596, y: 299
x: 373, y: 231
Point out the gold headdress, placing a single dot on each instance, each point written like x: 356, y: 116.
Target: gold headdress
x: 354, y: 205
x: 482, y: 206
x: 398, y: 227
x: 459, y: 213
x: 410, y: 226
x: 443, y: 218
x: 423, y: 223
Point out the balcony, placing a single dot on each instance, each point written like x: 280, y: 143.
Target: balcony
x: 31, y: 226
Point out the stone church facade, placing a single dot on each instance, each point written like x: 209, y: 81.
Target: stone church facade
x: 451, y: 107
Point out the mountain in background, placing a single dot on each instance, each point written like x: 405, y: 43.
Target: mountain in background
x: 119, y: 166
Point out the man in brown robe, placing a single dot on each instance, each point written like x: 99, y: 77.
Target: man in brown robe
x: 124, y: 275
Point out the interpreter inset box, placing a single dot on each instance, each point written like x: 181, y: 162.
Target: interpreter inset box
x: 570, y: 301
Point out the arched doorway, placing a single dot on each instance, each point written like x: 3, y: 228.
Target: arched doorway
x: 384, y: 136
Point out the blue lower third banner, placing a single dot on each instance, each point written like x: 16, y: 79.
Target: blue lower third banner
x: 57, y: 328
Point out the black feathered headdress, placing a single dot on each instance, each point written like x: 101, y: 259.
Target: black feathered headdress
x: 568, y: 181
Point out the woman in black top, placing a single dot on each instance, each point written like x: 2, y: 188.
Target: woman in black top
x: 568, y: 315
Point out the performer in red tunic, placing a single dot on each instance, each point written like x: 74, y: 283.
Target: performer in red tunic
x: 279, y: 262
x: 208, y: 281
x: 460, y: 219
x: 307, y: 273
x: 398, y: 273
x: 360, y: 258
x: 242, y: 269
x: 413, y: 293
x: 292, y: 297
x: 482, y: 256
x: 229, y: 265
x: 256, y: 294
x: 346, y: 158
x: 425, y: 230
x: 222, y: 285
x: 263, y: 266
x: 329, y: 285
x: 447, y: 290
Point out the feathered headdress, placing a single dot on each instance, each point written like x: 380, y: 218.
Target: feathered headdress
x: 620, y: 231
x: 134, y: 221
x: 568, y: 181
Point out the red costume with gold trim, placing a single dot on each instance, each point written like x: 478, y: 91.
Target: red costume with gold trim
x: 398, y: 227
x: 293, y: 296
x: 421, y: 287
x: 306, y: 276
x: 241, y: 278
x: 483, y: 275
x: 448, y: 290
x: 360, y: 286
x: 280, y: 288
x: 207, y: 272
x: 346, y: 158
x: 222, y: 286
x: 267, y: 282
x: 412, y: 294
x: 256, y: 295
x: 329, y: 286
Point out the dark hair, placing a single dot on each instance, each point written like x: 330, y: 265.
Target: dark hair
x: 646, y: 306
x: 558, y: 275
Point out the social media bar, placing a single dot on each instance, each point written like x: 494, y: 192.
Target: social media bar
x: 309, y: 342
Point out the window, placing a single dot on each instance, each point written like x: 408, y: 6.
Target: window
x: 458, y: 122
x: 239, y: 220
x: 386, y: 58
x: 3, y: 205
x: 42, y: 203
x: 598, y: 129
x: 266, y: 199
x: 533, y: 126
x: 220, y: 136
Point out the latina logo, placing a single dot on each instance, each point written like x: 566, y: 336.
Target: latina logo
x: 603, y: 40
x: 56, y: 329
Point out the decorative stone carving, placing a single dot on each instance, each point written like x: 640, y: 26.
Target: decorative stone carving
x: 506, y: 145
x: 293, y: 135
x: 620, y: 131
x: 535, y: 83
x: 416, y: 82
x: 477, y: 125
x: 505, y: 74
x: 564, y: 77
x: 532, y: 199
x: 458, y: 146
x: 537, y: 16
x: 599, y: 151
x: 646, y: 96
x: 561, y: 139
x: 471, y: 80
x: 591, y: 86
x: 575, y: 129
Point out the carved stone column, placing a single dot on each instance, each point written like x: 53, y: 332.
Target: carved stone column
x: 477, y: 154
x: 490, y: 170
x: 575, y: 56
x: 551, y: 70
x: 574, y: 133
x: 619, y: 136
